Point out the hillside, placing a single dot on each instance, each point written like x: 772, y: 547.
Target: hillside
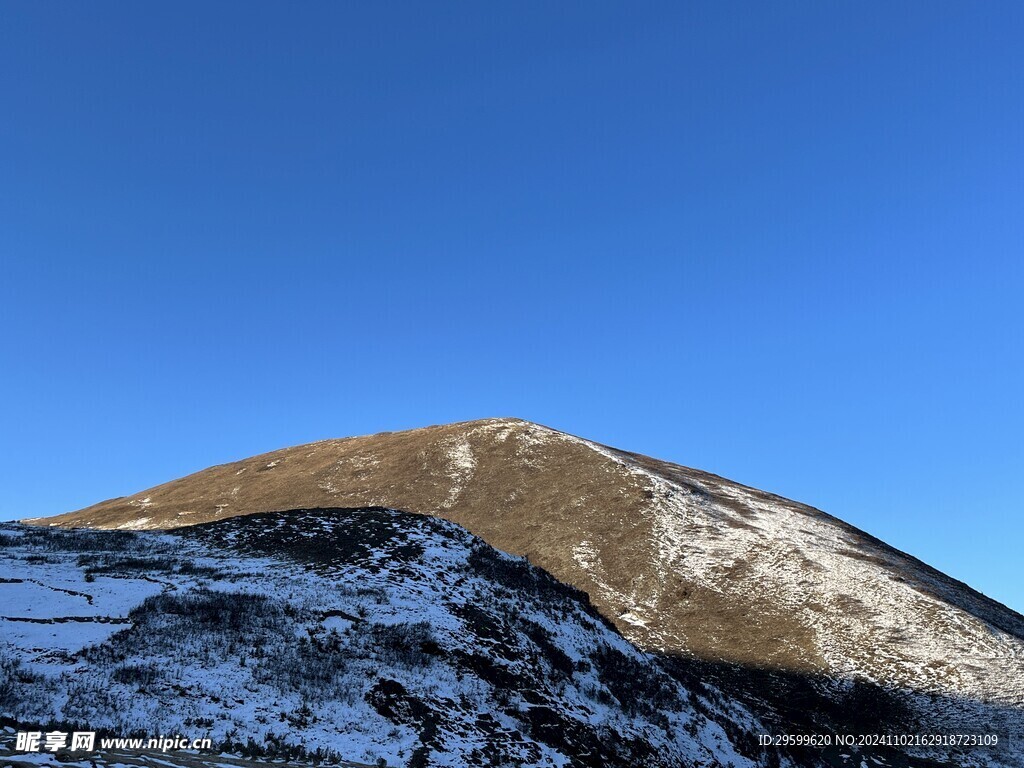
x: 686, y: 564
x: 342, y: 634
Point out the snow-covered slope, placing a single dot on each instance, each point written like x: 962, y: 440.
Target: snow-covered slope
x: 360, y: 634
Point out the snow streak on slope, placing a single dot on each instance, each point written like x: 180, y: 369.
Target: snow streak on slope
x: 366, y: 634
x: 461, y: 466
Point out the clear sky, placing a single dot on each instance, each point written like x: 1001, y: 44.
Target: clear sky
x: 777, y: 241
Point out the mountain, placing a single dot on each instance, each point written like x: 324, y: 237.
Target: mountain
x: 789, y: 608
x: 364, y: 635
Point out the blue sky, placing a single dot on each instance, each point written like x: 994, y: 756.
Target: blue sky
x: 781, y: 242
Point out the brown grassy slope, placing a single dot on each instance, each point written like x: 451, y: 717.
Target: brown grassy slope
x: 681, y: 560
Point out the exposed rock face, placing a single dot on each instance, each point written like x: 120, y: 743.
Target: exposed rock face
x: 682, y: 561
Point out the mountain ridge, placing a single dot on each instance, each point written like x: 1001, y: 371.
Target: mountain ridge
x: 75, y: 515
